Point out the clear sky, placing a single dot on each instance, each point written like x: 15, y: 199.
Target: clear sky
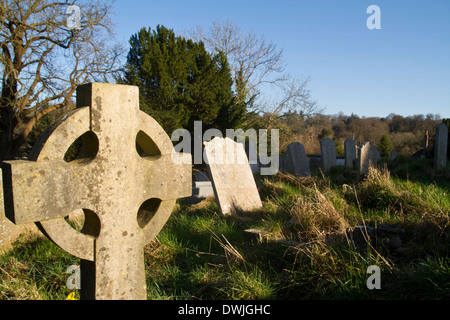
x: 402, y: 68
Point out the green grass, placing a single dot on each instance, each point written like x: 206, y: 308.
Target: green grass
x: 305, y: 252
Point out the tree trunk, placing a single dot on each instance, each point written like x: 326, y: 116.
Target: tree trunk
x: 8, y: 122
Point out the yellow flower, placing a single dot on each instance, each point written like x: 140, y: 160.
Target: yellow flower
x: 71, y: 296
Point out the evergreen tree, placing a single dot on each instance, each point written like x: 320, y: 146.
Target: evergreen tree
x: 180, y: 82
x: 385, y: 146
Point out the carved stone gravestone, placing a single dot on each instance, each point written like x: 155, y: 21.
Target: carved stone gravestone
x: 9, y: 232
x: 349, y: 152
x: 440, y: 147
x: 233, y: 182
x: 368, y: 155
x: 124, y: 180
x: 296, y: 161
x: 328, y: 151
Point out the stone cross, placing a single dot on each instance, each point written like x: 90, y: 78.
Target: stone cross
x: 126, y: 185
x: 440, y: 147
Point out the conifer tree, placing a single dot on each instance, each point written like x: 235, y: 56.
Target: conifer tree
x: 180, y: 82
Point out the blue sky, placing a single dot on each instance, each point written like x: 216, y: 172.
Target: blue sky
x: 402, y: 68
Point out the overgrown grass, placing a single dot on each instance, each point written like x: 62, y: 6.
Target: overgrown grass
x: 305, y: 251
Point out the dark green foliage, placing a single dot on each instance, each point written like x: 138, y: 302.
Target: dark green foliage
x: 180, y: 82
x: 385, y: 146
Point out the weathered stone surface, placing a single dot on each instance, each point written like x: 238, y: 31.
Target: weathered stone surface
x: 368, y: 155
x: 295, y: 160
x: 349, y: 152
x: 328, y: 151
x: 440, y: 147
x: 234, y: 186
x: 127, y: 187
x: 9, y: 232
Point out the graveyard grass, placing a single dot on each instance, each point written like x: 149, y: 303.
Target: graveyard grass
x: 304, y: 251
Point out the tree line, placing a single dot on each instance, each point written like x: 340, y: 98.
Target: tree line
x: 406, y: 135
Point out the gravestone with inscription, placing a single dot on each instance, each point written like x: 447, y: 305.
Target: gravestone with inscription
x: 124, y: 180
x: 233, y: 182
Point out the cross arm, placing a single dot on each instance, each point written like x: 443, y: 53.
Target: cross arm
x: 39, y: 191
x: 164, y: 179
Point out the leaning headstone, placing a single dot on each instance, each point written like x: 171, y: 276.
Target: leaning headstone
x: 368, y: 155
x: 296, y: 161
x: 440, y: 147
x: 328, y: 151
x: 126, y: 195
x: 349, y: 152
x: 233, y: 182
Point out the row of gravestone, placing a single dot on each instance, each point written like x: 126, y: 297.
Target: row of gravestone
x: 115, y: 181
x: 295, y: 160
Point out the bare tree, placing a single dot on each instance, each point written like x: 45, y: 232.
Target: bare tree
x: 48, y: 48
x: 295, y: 96
x: 256, y: 63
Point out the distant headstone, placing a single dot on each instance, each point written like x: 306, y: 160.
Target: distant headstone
x: 233, y: 182
x: 127, y: 187
x: 440, y: 147
x: 393, y: 155
x: 349, y: 152
x: 328, y: 151
x: 295, y: 160
x: 368, y: 156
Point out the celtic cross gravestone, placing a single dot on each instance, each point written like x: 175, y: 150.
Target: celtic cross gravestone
x: 124, y: 180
